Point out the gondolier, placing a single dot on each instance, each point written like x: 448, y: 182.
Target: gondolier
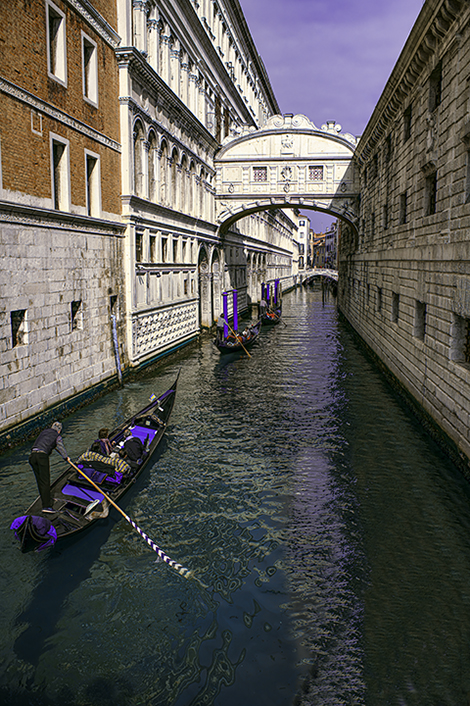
x: 47, y: 441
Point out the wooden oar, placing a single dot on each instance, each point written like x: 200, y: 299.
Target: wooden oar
x: 178, y: 567
x: 231, y: 329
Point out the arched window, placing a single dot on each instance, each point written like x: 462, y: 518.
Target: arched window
x: 174, y: 179
x: 184, y: 185
x: 138, y: 159
x: 152, y: 167
x: 163, y: 173
x: 191, y: 185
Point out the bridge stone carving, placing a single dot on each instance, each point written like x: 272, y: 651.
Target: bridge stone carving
x: 288, y: 163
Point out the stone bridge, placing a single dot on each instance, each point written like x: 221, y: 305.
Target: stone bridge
x: 288, y: 163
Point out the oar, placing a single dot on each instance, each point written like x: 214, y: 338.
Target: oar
x: 231, y: 329
x: 178, y: 567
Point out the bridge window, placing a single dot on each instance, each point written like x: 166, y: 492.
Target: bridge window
x: 260, y: 174
x: 315, y: 173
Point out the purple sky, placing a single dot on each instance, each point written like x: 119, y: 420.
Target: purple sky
x: 330, y: 60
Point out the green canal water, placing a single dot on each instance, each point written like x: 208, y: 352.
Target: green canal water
x: 328, y: 535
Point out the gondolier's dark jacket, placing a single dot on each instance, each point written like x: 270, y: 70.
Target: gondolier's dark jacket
x: 48, y: 440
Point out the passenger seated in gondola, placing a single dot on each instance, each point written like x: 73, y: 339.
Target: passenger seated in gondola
x: 133, y: 450
x: 104, y: 442
x: 99, y: 462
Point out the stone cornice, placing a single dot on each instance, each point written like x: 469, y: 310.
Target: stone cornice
x: 11, y: 212
x: 56, y: 114
x: 210, y: 51
x: 86, y: 10
x: 430, y: 29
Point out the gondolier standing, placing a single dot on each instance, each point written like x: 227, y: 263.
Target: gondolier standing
x: 47, y: 440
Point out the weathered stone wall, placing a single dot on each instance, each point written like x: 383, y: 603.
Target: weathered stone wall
x: 405, y: 276
x: 46, y: 267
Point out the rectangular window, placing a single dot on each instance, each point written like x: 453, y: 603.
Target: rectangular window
x: 460, y: 339
x: 164, y: 249
x: 89, y: 69
x: 419, y: 330
x: 76, y: 315
x: 395, y: 307
x: 435, y: 87
x: 260, y: 174
x: 430, y: 197
x: 19, y: 330
x: 407, y: 124
x: 56, y: 45
x: 372, y: 225
x: 403, y: 208
x: 153, y: 248
x: 93, y: 184
x: 60, y: 173
x: 175, y: 251
x: 315, y: 173
x: 379, y: 300
x: 113, y: 304
x: 139, y: 246
x: 385, y: 216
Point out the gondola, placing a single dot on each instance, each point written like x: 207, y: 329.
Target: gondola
x: 271, y: 317
x: 233, y: 344
x: 77, y: 503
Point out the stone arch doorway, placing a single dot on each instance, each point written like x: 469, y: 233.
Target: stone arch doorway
x: 288, y: 163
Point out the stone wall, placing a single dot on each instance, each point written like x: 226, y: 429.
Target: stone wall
x: 405, y: 275
x: 62, y: 278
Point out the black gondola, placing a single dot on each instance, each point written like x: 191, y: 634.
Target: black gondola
x: 271, y: 317
x: 77, y: 504
x: 233, y: 343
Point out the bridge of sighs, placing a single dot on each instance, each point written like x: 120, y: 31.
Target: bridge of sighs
x: 288, y: 163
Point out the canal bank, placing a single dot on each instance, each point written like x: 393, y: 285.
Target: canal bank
x: 331, y: 534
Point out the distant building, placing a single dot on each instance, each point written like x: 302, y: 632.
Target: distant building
x: 303, y: 240
x: 331, y: 246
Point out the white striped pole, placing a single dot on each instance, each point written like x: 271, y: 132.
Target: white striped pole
x: 174, y: 565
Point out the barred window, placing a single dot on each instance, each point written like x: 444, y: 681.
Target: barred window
x: 315, y: 173
x: 260, y: 174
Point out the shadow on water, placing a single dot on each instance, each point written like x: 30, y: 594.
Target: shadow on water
x: 67, y: 565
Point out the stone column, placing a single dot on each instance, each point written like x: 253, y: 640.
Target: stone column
x: 140, y: 25
x: 153, y: 40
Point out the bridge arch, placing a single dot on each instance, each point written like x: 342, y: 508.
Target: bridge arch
x: 288, y: 163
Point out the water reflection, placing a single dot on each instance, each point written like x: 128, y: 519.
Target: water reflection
x: 328, y: 536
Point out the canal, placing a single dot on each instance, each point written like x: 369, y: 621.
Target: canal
x: 328, y: 535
